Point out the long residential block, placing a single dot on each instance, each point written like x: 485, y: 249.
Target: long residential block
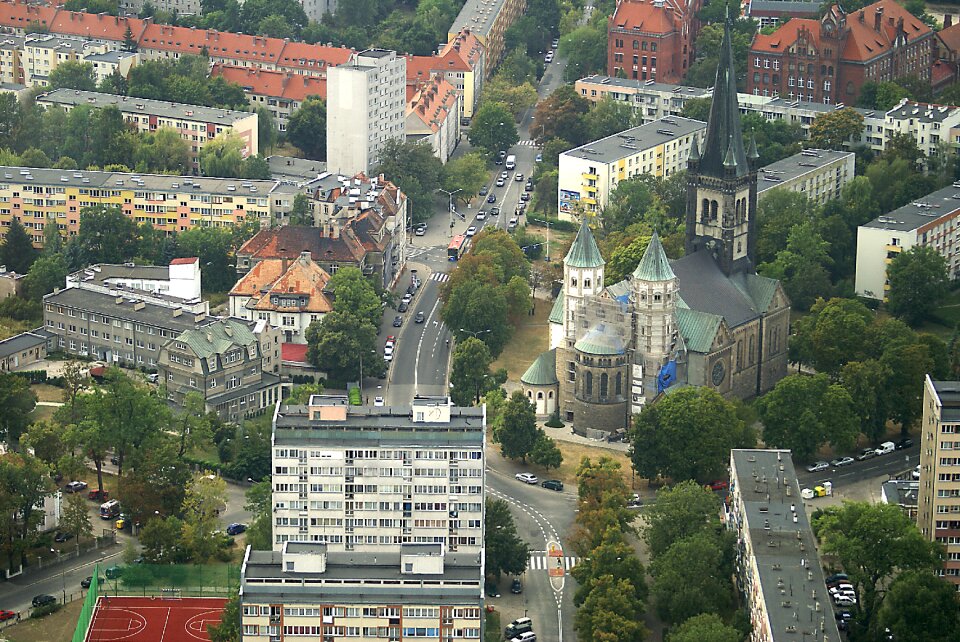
x: 818, y: 174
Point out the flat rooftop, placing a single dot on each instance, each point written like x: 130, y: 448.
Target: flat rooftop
x: 647, y: 85
x: 928, y: 113
x: 782, y: 104
x: 129, y: 104
x: 791, y: 580
x: 150, y: 314
x: 632, y: 141
x: 948, y: 392
x: 478, y: 16
x: 295, y: 169
x: 922, y: 211
x: 793, y: 167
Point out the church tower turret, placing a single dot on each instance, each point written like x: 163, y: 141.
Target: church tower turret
x: 582, y: 275
x: 655, y: 288
x: 722, y: 179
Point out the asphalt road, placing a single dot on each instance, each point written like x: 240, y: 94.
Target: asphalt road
x: 895, y: 463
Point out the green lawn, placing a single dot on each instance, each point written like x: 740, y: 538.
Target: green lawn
x: 531, y: 337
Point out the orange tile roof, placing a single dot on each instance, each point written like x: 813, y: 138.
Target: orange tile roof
x: 268, y: 277
x: 260, y: 277
x: 781, y: 39
x: 219, y: 44
x: 420, y: 67
x: 275, y: 84
x: 300, y: 55
x: 951, y: 37
x: 433, y: 101
x: 185, y: 261
x: 20, y: 14
x: 468, y: 45
x: 90, y: 25
x: 643, y: 15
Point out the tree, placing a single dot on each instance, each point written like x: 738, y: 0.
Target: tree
x: 834, y: 129
x: 206, y: 496
x: 354, y: 293
x: 222, y: 156
x: 129, y: 43
x: 706, y: 626
x: 687, y: 435
x: 492, y: 128
x: 228, y: 629
x: 17, y: 252
x: 613, y: 557
x: 301, y: 213
x: 802, y: 413
x: 697, y: 108
x: 602, y: 503
x: 470, y: 374
x: 920, y: 607
x: 873, y: 542
x: 692, y: 577
x: 831, y: 335
x: 545, y: 452
x: 73, y: 74
x: 516, y: 431
x: 561, y: 116
x: 192, y: 426
x: 46, y: 273
x: 801, y: 266
x: 909, y: 364
x: 679, y: 512
x: 467, y: 173
x: 866, y: 382
x: 47, y: 440
x: 307, y: 128
x: 336, y: 342
x: 414, y: 169
x: 585, y: 49
x: 611, y: 613
x: 260, y: 505
x: 505, y: 551
x: 17, y: 400
x: 24, y: 482
x: 106, y: 235
x: 610, y: 116
x: 163, y: 152
x: 477, y: 308
x: 162, y: 540
x: 516, y: 97
x: 918, y: 282
x: 507, y: 258
x: 516, y: 69
x: 625, y: 259
x: 156, y: 485
x: 75, y: 518
x: 777, y: 214
x: 903, y: 145
x: 214, y: 247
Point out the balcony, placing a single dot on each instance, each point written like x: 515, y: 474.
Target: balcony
x: 590, y: 177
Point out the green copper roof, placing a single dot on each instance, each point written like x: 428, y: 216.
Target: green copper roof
x: 217, y: 338
x: 556, y: 313
x: 543, y: 371
x: 601, y: 340
x: 654, y: 265
x: 584, y: 252
x: 698, y: 329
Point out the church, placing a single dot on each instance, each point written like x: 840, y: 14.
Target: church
x: 706, y: 319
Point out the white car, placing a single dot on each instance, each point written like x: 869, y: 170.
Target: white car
x: 378, y: 401
x: 500, y: 182
x: 482, y: 215
x: 526, y: 478
x: 518, y: 178
x: 844, y: 600
x: 420, y: 231
x: 388, y: 353
x: 504, y: 175
x: 916, y: 473
x: 471, y: 230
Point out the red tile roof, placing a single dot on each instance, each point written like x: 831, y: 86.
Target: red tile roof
x: 185, y: 261
x: 219, y: 44
x: 419, y: 67
x: 90, y: 25
x: 781, y: 39
x: 951, y: 37
x: 467, y: 45
x: 645, y: 16
x: 290, y: 240
x: 313, y: 58
x: 294, y: 352
x: 20, y: 14
x: 275, y: 84
x: 433, y: 101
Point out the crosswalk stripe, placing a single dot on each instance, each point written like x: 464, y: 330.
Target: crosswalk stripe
x: 542, y: 562
x: 441, y: 277
x: 527, y: 143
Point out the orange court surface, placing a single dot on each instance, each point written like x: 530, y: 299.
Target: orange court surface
x: 148, y: 619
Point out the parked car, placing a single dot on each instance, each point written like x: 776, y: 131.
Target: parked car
x: 539, y: 158
x: 397, y: 321
x: 388, y: 352
x: 867, y: 453
x: 43, y: 600
x: 906, y: 442
x: 635, y: 501
x: 378, y: 402
x: 841, y: 461
x: 491, y: 590
x: 236, y: 528
x: 552, y: 484
x: 818, y: 466
x: 7, y: 615
x: 517, y: 627
x: 98, y: 495
x: 836, y: 576
x: 529, y: 636
x: 528, y: 187
x: 403, y: 307
x: 112, y: 572
x: 719, y: 484
x: 526, y: 478
x: 87, y: 581
x: 844, y: 600
x: 421, y: 231
x: 75, y: 486
x: 516, y: 587
x: 524, y: 197
x: 483, y: 190
x: 916, y: 472
x: 886, y: 448
x: 62, y: 537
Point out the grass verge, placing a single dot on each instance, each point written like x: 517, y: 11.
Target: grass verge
x: 58, y: 626
x: 531, y: 337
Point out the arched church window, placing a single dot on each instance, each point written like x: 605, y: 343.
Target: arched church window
x: 603, y: 384
x: 529, y: 394
x: 586, y: 283
x: 750, y: 351
x: 573, y: 281
x: 739, y: 247
x: 618, y: 385
x: 540, y: 396
x: 713, y: 210
x: 705, y: 211
x: 550, y: 395
x: 588, y: 384
x: 656, y: 297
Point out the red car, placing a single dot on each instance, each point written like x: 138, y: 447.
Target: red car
x: 7, y: 615
x: 98, y: 496
x: 720, y: 484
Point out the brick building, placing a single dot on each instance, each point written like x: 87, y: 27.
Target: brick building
x: 828, y: 60
x: 652, y: 39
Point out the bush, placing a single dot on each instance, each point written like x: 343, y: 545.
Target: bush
x: 33, y: 376
x: 555, y: 223
x: 554, y: 420
x: 59, y: 382
x: 43, y: 611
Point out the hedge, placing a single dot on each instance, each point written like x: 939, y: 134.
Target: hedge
x: 555, y: 223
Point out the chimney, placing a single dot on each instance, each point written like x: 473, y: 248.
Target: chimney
x: 947, y: 20
x: 177, y: 312
x: 877, y: 18
x: 118, y: 300
x: 139, y: 305
x: 305, y: 257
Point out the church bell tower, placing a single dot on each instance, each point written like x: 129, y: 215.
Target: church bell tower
x: 722, y: 179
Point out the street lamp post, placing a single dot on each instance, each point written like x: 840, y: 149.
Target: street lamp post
x: 450, y: 205
x: 474, y: 334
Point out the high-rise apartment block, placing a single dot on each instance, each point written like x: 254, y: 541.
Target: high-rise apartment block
x: 366, y: 107
x: 368, y: 479
x: 938, y: 514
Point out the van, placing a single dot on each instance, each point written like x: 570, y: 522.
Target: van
x: 886, y: 448
x: 110, y: 510
x: 511, y: 162
x: 529, y: 636
x: 518, y: 627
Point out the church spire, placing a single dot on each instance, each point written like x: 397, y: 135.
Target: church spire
x: 584, y: 252
x: 723, y: 129
x: 654, y: 266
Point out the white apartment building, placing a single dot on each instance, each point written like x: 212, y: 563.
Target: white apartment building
x: 928, y: 125
x: 778, y: 569
x: 590, y: 173
x: 366, y: 103
x: 653, y: 99
x: 818, y: 174
x: 370, y: 479
x: 938, y: 510
x: 931, y: 221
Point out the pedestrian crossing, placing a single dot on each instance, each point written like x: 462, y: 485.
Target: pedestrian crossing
x: 527, y: 143
x: 542, y: 562
x: 440, y: 277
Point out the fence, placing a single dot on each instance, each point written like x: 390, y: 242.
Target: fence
x: 162, y: 580
x: 89, y: 605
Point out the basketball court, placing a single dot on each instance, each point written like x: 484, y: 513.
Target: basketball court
x: 154, y: 619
